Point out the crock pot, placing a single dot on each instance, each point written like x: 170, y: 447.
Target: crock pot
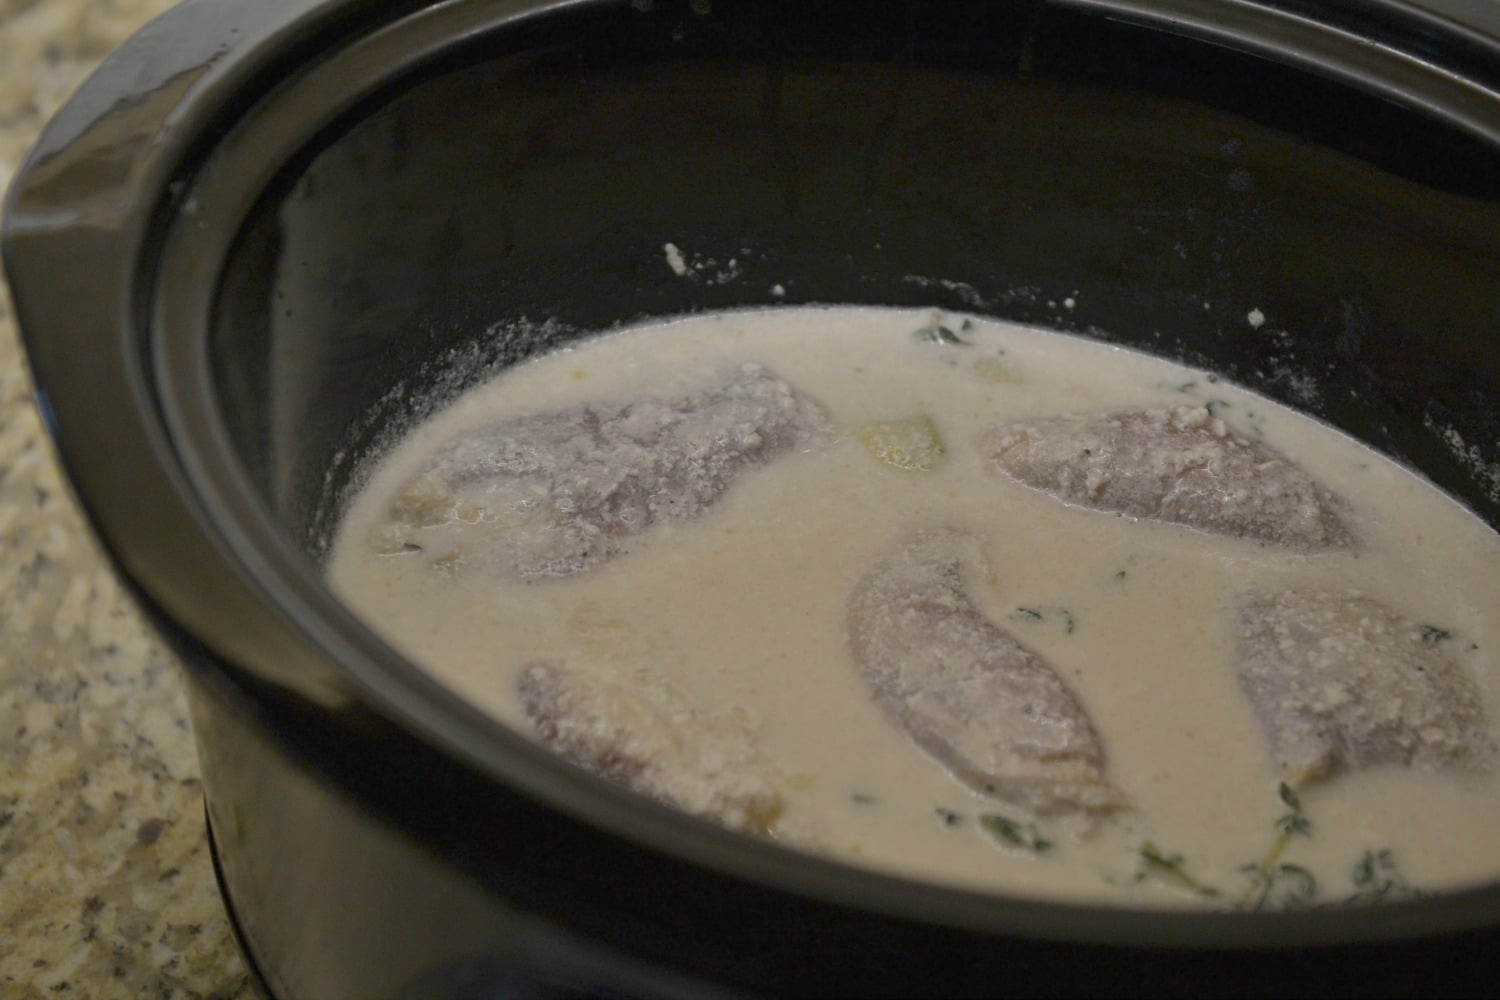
x: 264, y: 235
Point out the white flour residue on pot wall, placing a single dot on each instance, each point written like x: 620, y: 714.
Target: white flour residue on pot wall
x: 1301, y: 386
x: 396, y: 414
x: 967, y: 293
x: 1488, y: 473
x: 971, y: 297
x: 708, y: 270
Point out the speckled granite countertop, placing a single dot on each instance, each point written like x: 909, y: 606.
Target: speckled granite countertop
x: 106, y: 887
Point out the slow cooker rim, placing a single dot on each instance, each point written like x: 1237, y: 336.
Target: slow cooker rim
x: 582, y: 794
x: 1324, y: 35
x: 596, y: 801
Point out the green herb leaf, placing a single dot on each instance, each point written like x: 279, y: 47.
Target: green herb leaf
x: 1060, y: 616
x: 937, y: 333
x: 948, y: 816
x: 1289, y: 796
x: 1295, y: 825
x: 1432, y: 635
x: 1014, y: 833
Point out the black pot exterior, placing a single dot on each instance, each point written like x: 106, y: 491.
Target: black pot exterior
x: 387, y: 872
x: 260, y: 237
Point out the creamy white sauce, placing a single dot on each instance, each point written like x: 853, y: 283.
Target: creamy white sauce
x: 743, y: 610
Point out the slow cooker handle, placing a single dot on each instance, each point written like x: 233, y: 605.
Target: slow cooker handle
x: 82, y: 225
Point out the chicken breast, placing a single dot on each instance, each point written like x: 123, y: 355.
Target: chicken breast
x: 966, y: 691
x: 553, y: 494
x: 1341, y: 682
x: 640, y: 732
x: 1178, y: 464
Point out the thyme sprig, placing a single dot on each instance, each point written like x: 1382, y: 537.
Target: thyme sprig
x: 1271, y: 881
x: 1276, y: 884
x: 1279, y: 886
x: 1376, y: 877
x: 1172, y: 868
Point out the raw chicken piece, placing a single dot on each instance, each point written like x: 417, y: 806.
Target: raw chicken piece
x: 993, y: 712
x: 1341, y: 682
x: 641, y: 733
x: 552, y: 494
x: 1178, y: 464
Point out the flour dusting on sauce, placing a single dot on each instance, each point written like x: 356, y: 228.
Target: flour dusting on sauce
x: 958, y: 599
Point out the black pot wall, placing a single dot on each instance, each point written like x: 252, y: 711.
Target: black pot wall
x: 993, y: 158
x: 388, y: 871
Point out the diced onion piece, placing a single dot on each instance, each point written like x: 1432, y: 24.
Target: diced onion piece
x: 912, y: 444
